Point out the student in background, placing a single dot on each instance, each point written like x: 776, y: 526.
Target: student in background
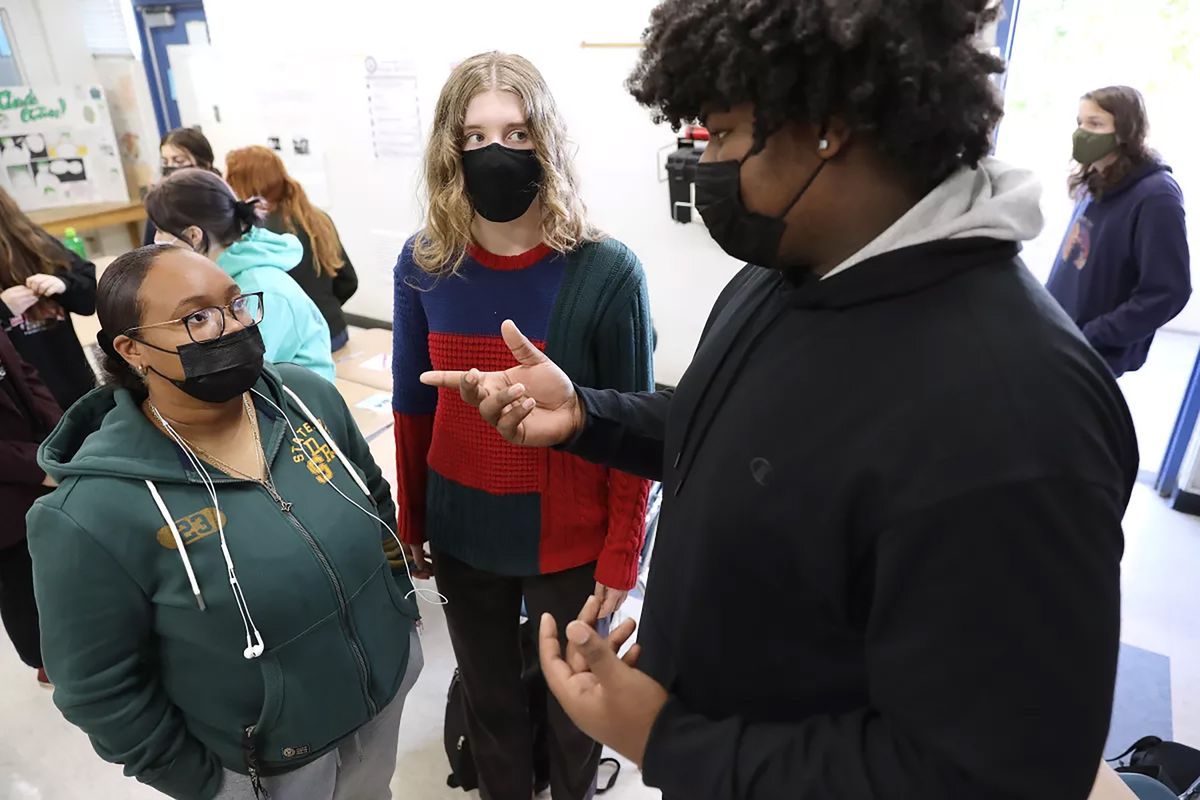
x: 214, y: 615
x: 889, y: 558
x: 180, y: 149
x: 1123, y: 270
x: 507, y: 235
x: 324, y: 271
x: 196, y: 209
x: 27, y: 415
x: 41, y: 284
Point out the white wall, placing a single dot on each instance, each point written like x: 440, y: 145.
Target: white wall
x: 276, y: 45
x: 52, y: 50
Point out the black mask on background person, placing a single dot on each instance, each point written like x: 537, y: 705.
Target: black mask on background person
x: 220, y: 370
x: 746, y: 235
x: 501, y: 182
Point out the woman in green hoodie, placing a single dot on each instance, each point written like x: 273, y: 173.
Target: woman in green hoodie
x: 195, y: 208
x: 224, y: 606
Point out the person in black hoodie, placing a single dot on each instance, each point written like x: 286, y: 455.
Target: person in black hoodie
x: 888, y: 562
x: 1123, y: 270
x: 27, y: 414
x: 324, y: 272
x: 41, y: 283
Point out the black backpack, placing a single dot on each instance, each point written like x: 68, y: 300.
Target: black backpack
x: 1174, y: 765
x: 463, y: 774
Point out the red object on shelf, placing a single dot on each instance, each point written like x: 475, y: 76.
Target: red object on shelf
x: 697, y: 133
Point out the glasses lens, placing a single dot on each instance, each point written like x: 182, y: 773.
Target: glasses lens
x: 248, y: 309
x: 205, y: 325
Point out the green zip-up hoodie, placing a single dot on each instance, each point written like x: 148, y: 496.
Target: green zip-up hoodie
x: 293, y: 329
x: 162, y: 686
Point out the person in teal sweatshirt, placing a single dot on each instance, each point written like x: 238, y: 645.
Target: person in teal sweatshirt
x: 195, y: 208
x: 225, y: 608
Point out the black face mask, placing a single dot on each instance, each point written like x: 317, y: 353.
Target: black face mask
x: 501, y: 182
x: 746, y: 235
x: 220, y: 370
x: 170, y: 169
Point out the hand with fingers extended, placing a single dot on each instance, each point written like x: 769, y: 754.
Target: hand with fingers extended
x: 603, y: 694
x: 532, y: 404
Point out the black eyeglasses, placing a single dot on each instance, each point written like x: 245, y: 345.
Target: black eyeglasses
x: 208, y: 324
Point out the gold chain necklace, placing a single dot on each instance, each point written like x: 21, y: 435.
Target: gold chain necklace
x: 266, y: 481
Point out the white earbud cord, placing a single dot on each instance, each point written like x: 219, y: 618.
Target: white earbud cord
x: 254, y: 641
x: 428, y: 595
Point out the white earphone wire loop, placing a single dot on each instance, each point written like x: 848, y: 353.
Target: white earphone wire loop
x: 254, y: 641
x: 438, y: 599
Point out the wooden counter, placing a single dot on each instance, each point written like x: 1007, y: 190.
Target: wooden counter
x: 55, y: 221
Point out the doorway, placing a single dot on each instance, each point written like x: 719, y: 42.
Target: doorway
x: 161, y: 25
x: 1061, y: 49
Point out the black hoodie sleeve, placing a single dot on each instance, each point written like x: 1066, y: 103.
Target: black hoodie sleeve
x: 624, y: 430
x: 345, y: 280
x: 80, y: 277
x: 991, y: 650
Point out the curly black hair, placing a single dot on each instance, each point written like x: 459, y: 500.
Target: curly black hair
x: 912, y: 74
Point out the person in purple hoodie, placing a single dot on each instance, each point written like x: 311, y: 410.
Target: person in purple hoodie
x: 1123, y: 269
x: 28, y: 412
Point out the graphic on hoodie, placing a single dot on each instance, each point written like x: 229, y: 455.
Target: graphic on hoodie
x: 1077, y: 247
x: 192, y: 527
x: 319, y: 454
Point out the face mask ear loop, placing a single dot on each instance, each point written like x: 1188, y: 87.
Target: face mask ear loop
x: 803, y: 189
x: 824, y: 145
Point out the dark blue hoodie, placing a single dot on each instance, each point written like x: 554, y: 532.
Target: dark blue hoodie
x: 1123, y: 269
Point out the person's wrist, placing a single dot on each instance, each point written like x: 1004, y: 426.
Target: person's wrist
x: 578, y: 416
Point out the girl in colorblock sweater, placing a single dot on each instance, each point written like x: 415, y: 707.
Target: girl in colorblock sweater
x: 507, y: 237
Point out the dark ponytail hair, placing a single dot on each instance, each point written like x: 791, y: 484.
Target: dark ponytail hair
x: 196, y: 143
x: 119, y: 308
x: 198, y: 197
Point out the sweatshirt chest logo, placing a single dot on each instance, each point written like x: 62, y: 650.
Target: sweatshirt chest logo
x: 192, y: 528
x: 309, y: 448
x: 1078, y: 244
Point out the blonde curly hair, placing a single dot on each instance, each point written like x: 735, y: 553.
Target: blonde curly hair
x: 441, y: 245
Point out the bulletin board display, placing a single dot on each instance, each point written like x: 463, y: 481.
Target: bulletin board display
x: 57, y: 147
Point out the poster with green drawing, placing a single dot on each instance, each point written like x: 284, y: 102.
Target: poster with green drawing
x: 57, y: 147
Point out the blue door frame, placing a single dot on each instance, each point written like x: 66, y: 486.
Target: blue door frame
x: 1167, y: 482
x: 1006, y: 28
x: 158, y: 63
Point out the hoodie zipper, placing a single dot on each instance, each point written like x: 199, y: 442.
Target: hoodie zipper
x: 338, y: 589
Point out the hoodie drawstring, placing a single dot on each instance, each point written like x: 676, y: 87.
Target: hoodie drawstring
x: 187, y: 562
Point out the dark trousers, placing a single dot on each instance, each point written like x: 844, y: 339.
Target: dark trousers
x: 17, y: 606
x: 483, y: 614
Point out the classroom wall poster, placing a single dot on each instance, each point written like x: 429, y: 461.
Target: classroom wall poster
x: 57, y: 147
